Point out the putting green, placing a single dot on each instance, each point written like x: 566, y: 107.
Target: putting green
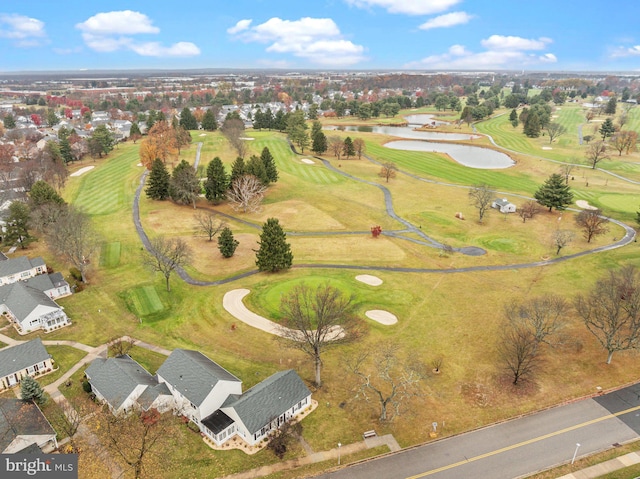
x: 622, y: 203
x: 110, y: 255
x: 143, y: 301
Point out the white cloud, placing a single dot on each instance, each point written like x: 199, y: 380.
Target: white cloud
x: 501, y: 42
x: 317, y: 40
x: 155, y: 49
x: 626, y: 51
x: 447, y: 20
x: 125, y: 22
x: 408, y: 7
x: 23, y: 31
x: 503, y: 53
x: 241, y: 26
x: 113, y: 31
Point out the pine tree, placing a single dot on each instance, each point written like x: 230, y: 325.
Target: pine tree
x: 269, y: 165
x: 209, y: 122
x: 9, y: 121
x: 184, y: 186
x: 607, y: 129
x: 65, y: 150
x: 17, y: 225
x: 187, y: 120
x: 158, y: 185
x: 217, y: 182
x: 347, y: 149
x: 319, y: 144
x: 611, y: 107
x: 135, y: 129
x: 256, y: 168
x: 238, y: 169
x: 42, y: 193
x: 554, y: 193
x: 513, y: 118
x: 30, y: 390
x: 274, y: 253
x: 227, y: 244
x: 532, y: 125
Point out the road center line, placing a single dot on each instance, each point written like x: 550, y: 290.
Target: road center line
x: 524, y: 443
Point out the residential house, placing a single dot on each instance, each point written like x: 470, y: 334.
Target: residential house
x: 25, y: 359
x: 503, y: 205
x: 123, y: 384
x: 22, y: 425
x: 204, y: 392
x: 20, y: 268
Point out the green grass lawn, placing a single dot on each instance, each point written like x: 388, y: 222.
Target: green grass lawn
x: 110, y: 254
x: 65, y: 358
x: 143, y: 301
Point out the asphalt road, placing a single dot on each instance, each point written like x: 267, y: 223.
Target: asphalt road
x: 515, y: 448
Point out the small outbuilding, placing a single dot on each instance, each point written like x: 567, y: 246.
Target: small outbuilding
x: 504, y: 206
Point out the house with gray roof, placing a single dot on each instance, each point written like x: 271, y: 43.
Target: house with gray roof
x: 20, y: 268
x: 29, y: 308
x: 22, y: 425
x: 504, y: 205
x: 25, y: 359
x: 123, y: 384
x: 198, y: 385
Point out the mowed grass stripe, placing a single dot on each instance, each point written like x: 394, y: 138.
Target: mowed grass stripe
x: 145, y: 300
x: 103, y: 189
x: 110, y: 254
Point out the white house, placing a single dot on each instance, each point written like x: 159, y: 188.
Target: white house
x: 25, y: 359
x: 29, y: 308
x: 503, y: 205
x: 123, y: 384
x: 204, y: 392
x: 21, y: 268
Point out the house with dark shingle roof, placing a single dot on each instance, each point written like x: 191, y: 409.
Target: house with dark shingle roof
x: 25, y: 359
x: 123, y: 384
x: 22, y: 425
x: 20, y: 268
x: 29, y: 308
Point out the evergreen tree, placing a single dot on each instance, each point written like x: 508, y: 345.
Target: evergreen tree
x: 611, y: 107
x: 217, y: 182
x: 158, y: 185
x: 42, y: 193
x: 269, y: 165
x: 274, y: 253
x: 9, y: 121
x: 209, y: 122
x: 347, y: 148
x: 52, y: 118
x: 135, y: 129
x: 258, y: 120
x: 316, y: 127
x: 607, y: 129
x: 227, y: 244
x: 184, y: 186
x: 237, y: 169
x: 532, y: 125
x: 65, y: 150
x: 513, y: 118
x: 30, y: 390
x: 554, y: 193
x: 280, y: 121
x: 187, y: 120
x: 256, y: 168
x: 269, y: 120
x: 17, y: 225
x: 319, y: 144
x: 104, y: 138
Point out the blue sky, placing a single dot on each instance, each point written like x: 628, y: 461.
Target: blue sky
x: 320, y: 34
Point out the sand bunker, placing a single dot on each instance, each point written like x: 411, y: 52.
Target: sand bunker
x: 139, y: 164
x: 202, y: 134
x: 246, y: 138
x: 369, y: 279
x: 307, y: 161
x: 232, y: 302
x: 585, y: 205
x: 381, y: 316
x: 82, y: 171
x: 547, y: 148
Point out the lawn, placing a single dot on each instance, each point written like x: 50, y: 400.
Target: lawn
x: 454, y: 316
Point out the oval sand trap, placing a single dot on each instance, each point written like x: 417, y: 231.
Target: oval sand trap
x: 381, y: 316
x: 82, y: 170
x: 307, y: 161
x: 246, y: 138
x: 369, y: 279
x: 547, y: 148
x: 585, y: 205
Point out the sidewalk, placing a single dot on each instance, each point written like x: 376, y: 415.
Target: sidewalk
x: 605, y: 467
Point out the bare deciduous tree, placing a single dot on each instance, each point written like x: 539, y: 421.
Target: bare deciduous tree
x: 167, y: 255
x: 554, y: 130
x: 528, y: 210
x: 543, y: 316
x: 596, y: 152
x: 359, y: 146
x: 72, y: 236
x: 233, y: 129
x: 611, y: 310
x: 314, y: 320
x: 566, y: 170
x: 481, y: 197
x: 207, y: 225
x: 592, y: 223
x: 518, y: 350
x: 385, y: 377
x: 119, y: 346
x: 246, y: 193
x: 624, y: 141
x: 562, y: 238
x: 335, y: 145
x: 388, y: 170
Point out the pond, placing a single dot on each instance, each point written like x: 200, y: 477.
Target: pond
x: 471, y: 156
x: 405, y: 132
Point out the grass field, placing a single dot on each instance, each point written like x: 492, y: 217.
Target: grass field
x: 454, y: 316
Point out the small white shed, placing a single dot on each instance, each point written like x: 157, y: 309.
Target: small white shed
x: 503, y: 205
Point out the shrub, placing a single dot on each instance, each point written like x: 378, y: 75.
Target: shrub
x: 75, y: 274
x: 86, y: 387
x: 376, y: 231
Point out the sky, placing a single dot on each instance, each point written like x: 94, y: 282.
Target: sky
x: 487, y: 35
